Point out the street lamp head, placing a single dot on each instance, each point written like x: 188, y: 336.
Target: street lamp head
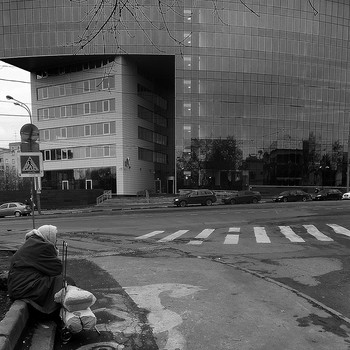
x: 9, y: 97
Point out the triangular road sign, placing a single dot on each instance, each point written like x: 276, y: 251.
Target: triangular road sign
x: 30, y: 166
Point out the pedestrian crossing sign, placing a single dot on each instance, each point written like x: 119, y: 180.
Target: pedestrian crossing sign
x: 30, y: 164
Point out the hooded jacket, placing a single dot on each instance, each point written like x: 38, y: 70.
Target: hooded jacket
x: 35, y: 271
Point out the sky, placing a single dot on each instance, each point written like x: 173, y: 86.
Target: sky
x: 16, y: 83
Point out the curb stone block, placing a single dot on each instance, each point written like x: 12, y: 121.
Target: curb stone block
x: 4, y: 343
x: 12, y: 325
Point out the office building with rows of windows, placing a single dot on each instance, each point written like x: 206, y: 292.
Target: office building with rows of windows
x: 167, y: 95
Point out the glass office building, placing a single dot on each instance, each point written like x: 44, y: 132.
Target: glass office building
x: 257, y: 93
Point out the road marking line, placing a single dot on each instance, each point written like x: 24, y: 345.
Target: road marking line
x: 290, y: 234
x: 231, y: 239
x: 339, y: 229
x: 173, y: 236
x: 198, y: 242
x: 201, y: 236
x: 234, y: 229
x: 313, y: 231
x: 260, y: 235
x: 151, y: 234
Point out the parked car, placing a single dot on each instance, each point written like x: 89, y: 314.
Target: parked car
x: 346, y: 195
x: 292, y: 196
x: 328, y: 194
x: 203, y: 197
x: 14, y: 208
x: 242, y: 197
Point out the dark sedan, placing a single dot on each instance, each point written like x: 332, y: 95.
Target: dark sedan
x: 203, y: 197
x: 329, y: 194
x: 292, y: 196
x: 242, y: 197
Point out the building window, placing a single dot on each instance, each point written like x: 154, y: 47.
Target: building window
x: 86, y: 108
x: 63, y: 133
x: 188, y: 15
x: 47, y: 155
x: 106, y: 106
x: 46, y: 134
x: 88, y: 152
x: 87, y: 86
x: 45, y: 113
x: 63, y: 111
x: 87, y: 130
x: 187, y: 38
x: 106, y: 151
x: 88, y: 184
x: 62, y: 90
x: 187, y: 62
x: 106, y: 128
x: 64, y: 154
x: 45, y: 93
x: 105, y: 84
x: 65, y: 185
x: 187, y: 86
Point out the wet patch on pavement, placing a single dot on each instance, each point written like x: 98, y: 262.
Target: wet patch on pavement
x: 328, y: 324
x: 121, y: 324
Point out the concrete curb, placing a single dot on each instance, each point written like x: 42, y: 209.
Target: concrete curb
x: 13, y: 324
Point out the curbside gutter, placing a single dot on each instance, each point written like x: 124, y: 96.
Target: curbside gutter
x: 13, y: 324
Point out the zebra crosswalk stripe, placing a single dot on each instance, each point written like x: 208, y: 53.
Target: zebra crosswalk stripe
x: 339, y: 229
x: 290, y: 234
x: 201, y: 236
x: 231, y: 239
x: 173, y: 236
x: 260, y: 235
x: 313, y: 231
x: 148, y: 235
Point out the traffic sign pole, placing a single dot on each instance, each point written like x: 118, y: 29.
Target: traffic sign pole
x: 30, y: 161
x: 32, y: 191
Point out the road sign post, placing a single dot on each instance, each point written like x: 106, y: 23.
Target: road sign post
x: 30, y: 164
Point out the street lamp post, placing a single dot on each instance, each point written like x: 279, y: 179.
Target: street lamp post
x: 21, y: 104
x: 32, y: 140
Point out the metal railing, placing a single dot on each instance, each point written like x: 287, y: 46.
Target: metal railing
x: 106, y: 195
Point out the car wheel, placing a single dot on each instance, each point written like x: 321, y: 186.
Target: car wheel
x: 183, y: 204
x: 304, y: 199
x: 285, y: 199
x: 255, y: 200
x: 208, y: 202
x: 17, y: 213
x: 232, y: 201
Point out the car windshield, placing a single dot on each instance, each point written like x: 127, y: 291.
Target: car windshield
x: 285, y: 193
x: 323, y: 192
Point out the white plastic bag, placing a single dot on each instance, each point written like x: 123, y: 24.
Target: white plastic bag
x: 75, y: 299
x: 78, y: 321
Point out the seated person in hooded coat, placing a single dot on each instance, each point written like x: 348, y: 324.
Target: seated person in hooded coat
x: 35, y: 273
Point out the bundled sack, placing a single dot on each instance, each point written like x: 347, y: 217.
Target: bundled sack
x: 78, y: 321
x: 75, y: 299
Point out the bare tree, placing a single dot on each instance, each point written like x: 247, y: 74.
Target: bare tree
x: 112, y: 17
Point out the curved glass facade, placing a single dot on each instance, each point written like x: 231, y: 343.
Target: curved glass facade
x: 261, y: 89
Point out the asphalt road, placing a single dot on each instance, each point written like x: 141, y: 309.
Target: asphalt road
x: 201, y: 272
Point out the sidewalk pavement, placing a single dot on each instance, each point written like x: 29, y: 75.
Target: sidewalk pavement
x: 16, y: 318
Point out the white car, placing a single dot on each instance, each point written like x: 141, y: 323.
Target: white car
x: 346, y: 195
